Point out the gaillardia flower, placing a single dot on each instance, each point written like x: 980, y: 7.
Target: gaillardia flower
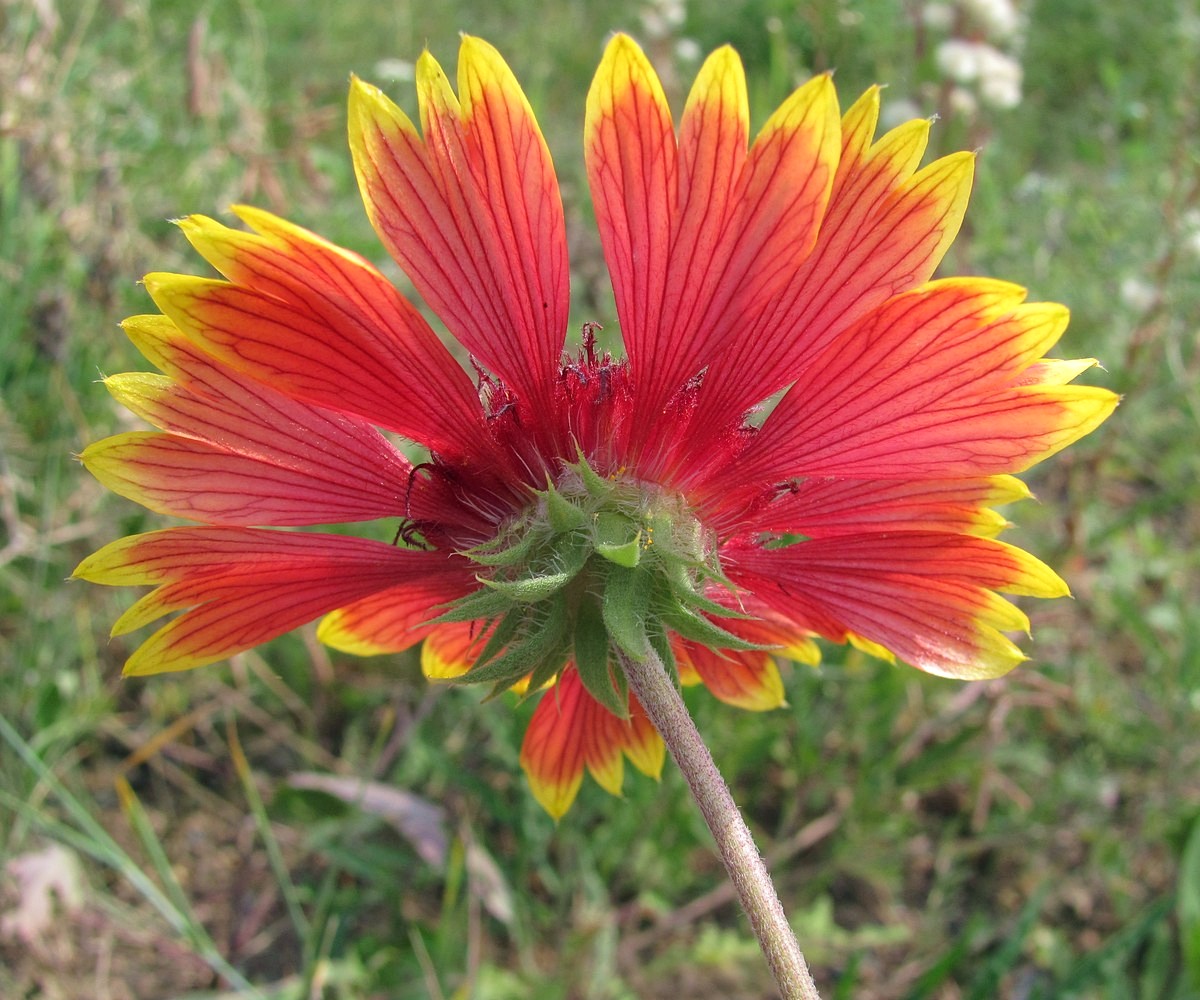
x: 806, y: 435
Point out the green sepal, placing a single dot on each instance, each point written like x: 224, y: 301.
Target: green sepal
x: 593, y: 482
x: 698, y: 602
x: 487, y: 555
x: 563, y: 515
x: 506, y: 628
x: 550, y: 667
x: 483, y: 603
x: 531, y: 589
x: 660, y: 642
x: 570, y: 553
x: 618, y: 538
x: 699, y: 629
x: 543, y: 636
x: 593, y: 661
x: 627, y: 555
x: 626, y: 608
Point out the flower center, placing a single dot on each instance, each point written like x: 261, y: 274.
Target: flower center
x: 595, y: 567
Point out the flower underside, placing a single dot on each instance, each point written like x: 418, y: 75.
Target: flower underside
x: 593, y: 568
x: 577, y: 512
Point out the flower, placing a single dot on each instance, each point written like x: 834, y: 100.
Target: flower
x: 568, y: 510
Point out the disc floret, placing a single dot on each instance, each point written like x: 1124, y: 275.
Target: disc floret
x: 594, y: 566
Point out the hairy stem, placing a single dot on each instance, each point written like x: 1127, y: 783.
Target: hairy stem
x: 665, y: 708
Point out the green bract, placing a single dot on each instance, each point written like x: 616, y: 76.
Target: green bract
x: 593, y: 566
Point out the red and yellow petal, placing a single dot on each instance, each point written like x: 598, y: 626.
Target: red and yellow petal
x: 313, y: 349
x: 239, y: 452
x: 767, y: 228
x: 927, y: 597
x: 191, y: 479
x: 362, y: 329
x: 450, y: 650
x: 394, y: 619
x: 747, y: 679
x: 713, y: 135
x: 643, y: 745
x: 827, y: 506
x: 927, y: 385
x: 571, y: 731
x: 698, y: 234
x: 864, y: 255
x: 378, y: 324
x: 884, y: 232
x: 632, y: 165
x: 242, y: 586
x: 783, y: 204
x: 471, y: 211
x: 201, y: 399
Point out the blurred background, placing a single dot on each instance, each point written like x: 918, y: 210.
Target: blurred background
x: 205, y: 835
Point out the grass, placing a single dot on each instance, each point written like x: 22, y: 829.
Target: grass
x: 1036, y: 836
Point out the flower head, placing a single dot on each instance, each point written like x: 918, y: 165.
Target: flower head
x: 569, y: 508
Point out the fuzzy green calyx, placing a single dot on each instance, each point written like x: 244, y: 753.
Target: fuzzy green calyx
x: 594, y: 565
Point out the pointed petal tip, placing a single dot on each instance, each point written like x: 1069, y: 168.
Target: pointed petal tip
x: 361, y: 89
x: 553, y: 796
x: 621, y: 42
x: 474, y: 47
x: 147, y: 666
x: 428, y: 67
x: 370, y: 109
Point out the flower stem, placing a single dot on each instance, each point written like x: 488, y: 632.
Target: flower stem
x: 663, y: 704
